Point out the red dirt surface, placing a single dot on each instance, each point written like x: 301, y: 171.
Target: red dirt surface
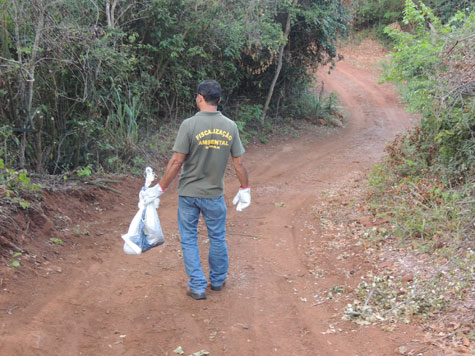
x: 87, y: 298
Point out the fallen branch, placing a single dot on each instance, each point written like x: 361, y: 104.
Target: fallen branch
x: 241, y: 234
x: 8, y: 242
x: 10, y: 309
x: 102, y: 186
x: 457, y: 42
x: 320, y: 303
x: 369, y: 297
x: 106, y: 181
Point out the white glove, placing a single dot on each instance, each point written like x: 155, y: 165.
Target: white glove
x: 242, y: 198
x: 152, y: 193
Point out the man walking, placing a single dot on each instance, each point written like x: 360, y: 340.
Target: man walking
x: 201, y: 152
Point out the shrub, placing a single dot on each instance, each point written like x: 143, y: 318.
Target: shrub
x: 432, y: 65
x: 248, y: 120
x: 14, y: 184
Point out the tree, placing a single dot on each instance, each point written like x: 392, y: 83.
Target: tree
x: 82, y: 79
x: 285, y: 38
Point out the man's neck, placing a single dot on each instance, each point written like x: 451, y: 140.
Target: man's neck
x: 209, y: 108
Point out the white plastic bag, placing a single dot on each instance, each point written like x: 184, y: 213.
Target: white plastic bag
x: 145, y: 231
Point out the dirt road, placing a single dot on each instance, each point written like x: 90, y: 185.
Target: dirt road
x: 97, y: 301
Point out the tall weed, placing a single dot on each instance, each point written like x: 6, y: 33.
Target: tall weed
x: 319, y: 108
x: 121, y: 125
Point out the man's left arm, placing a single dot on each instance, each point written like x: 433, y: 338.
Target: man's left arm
x: 243, y: 197
x: 241, y: 171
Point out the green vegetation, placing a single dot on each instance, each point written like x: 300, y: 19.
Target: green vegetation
x: 15, y: 259
x: 427, y: 215
x: 426, y: 185
x: 433, y: 67
x: 387, y: 298
x: 316, y: 107
x: 375, y: 15
x: 56, y: 241
x: 91, y: 84
x: 446, y: 9
x: 84, y: 172
x: 15, y: 185
x: 429, y: 219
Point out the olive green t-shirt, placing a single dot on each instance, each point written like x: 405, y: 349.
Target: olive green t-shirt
x: 207, y: 139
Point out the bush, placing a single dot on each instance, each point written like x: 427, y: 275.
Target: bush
x: 433, y: 68
x: 14, y: 185
x: 446, y: 9
x: 375, y: 13
x: 317, y: 108
x: 248, y: 120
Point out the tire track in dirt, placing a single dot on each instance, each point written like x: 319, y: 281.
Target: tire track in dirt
x: 105, y: 303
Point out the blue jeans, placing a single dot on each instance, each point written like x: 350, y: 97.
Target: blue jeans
x: 214, y: 214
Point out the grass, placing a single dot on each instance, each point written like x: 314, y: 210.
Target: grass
x: 425, y: 213
x: 430, y: 221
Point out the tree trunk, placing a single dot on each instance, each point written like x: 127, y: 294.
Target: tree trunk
x: 39, y: 146
x: 279, y: 65
x: 114, y: 4
x: 77, y: 148
x: 21, y: 86
x: 34, y: 53
x: 110, y: 12
x: 31, y: 83
x: 4, y: 36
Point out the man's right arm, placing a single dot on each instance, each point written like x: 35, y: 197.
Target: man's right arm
x: 173, y: 168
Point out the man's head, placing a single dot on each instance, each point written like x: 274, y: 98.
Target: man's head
x: 210, y: 90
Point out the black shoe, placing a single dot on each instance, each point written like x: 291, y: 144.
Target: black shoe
x: 218, y: 288
x: 196, y: 296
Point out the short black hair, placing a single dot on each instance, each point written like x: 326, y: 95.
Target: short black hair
x: 210, y: 90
